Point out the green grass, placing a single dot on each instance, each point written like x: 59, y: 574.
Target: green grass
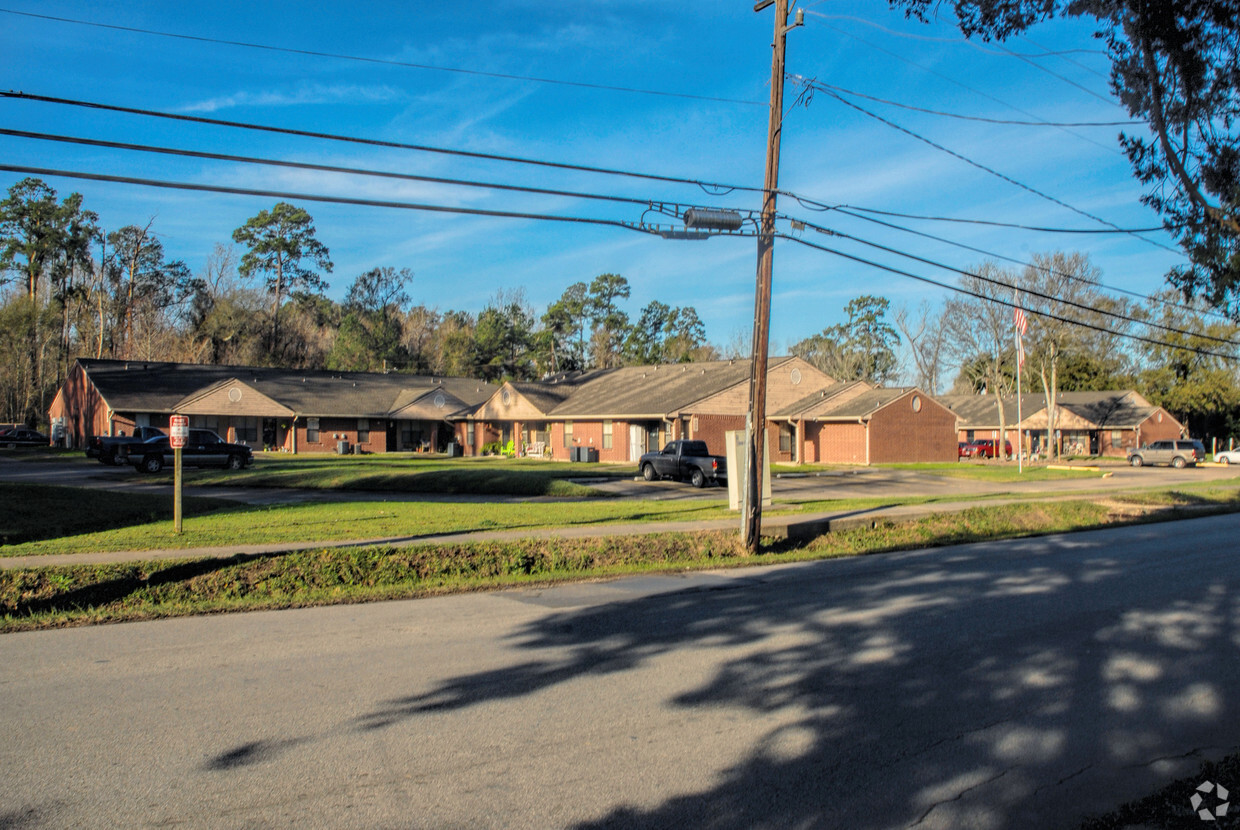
x: 83, y: 594
x: 981, y: 471
x: 87, y: 521
x: 40, y: 511
x: 417, y: 474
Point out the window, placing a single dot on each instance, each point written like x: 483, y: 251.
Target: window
x: 1117, y: 438
x: 785, y: 437
x: 246, y: 429
x: 312, y: 430
x: 469, y: 434
x: 363, y: 430
x: 606, y: 435
x: 568, y: 433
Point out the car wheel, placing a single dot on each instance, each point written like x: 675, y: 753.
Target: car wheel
x: 1225, y: 460
x: 152, y: 464
x: 1135, y: 461
x: 698, y: 479
x: 648, y: 472
x: 235, y: 462
x: 11, y: 446
x: 1178, y: 462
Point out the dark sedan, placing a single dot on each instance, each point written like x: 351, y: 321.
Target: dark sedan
x: 203, y: 448
x: 15, y: 437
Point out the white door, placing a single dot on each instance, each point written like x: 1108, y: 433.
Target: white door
x: 636, y: 444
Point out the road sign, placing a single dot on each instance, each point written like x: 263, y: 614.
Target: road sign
x: 179, y: 431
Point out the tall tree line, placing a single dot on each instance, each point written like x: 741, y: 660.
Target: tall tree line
x: 69, y: 288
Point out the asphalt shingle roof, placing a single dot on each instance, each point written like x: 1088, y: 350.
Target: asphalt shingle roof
x: 148, y: 386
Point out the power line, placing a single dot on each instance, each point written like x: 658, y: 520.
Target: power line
x: 963, y: 41
x: 713, y: 188
x: 1008, y: 303
x: 325, y: 168
x: 1032, y: 292
x: 382, y: 61
x: 374, y: 142
x: 339, y: 200
x: 976, y: 164
x: 961, y: 221
x: 1005, y: 121
x: 984, y: 252
x: 963, y: 86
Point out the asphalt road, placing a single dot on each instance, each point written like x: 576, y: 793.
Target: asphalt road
x: 1003, y: 685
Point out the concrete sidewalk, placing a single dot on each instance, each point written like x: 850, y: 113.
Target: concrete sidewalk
x: 793, y: 526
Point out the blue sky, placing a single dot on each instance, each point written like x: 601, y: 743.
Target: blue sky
x: 831, y: 153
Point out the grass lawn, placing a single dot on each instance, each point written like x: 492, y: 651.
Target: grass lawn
x: 83, y: 594
x: 58, y: 520
x: 407, y: 473
x: 985, y: 471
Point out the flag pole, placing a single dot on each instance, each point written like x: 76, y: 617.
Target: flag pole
x: 1020, y: 359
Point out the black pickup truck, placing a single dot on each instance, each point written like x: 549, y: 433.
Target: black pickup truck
x: 114, y: 449
x: 684, y: 460
x: 203, y: 448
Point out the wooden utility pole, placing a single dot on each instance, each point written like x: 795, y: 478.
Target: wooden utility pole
x: 751, y: 504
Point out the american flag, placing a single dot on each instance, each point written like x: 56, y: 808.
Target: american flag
x: 1022, y: 321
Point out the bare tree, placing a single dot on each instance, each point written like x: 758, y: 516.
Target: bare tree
x: 926, y: 334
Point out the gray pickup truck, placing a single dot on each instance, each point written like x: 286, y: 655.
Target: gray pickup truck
x: 685, y: 461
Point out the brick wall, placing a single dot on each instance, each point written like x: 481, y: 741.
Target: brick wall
x: 901, y: 435
x: 838, y: 443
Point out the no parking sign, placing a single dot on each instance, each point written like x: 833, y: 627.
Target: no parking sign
x: 179, y: 431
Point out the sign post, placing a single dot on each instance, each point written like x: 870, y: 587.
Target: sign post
x: 177, y: 435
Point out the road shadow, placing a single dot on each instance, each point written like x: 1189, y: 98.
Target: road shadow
x: 1019, y: 685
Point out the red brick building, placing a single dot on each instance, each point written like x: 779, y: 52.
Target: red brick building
x: 1086, y: 423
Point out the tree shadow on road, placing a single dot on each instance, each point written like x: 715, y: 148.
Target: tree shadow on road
x: 1021, y: 685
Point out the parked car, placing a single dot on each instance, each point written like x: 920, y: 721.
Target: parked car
x: 684, y: 460
x: 1180, y: 453
x: 15, y: 437
x: 1227, y: 456
x: 114, y: 449
x: 983, y: 448
x: 203, y: 448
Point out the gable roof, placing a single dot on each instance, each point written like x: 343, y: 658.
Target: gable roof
x: 1107, y: 409
x: 150, y: 386
x: 660, y: 390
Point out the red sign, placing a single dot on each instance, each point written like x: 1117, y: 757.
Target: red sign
x: 179, y: 431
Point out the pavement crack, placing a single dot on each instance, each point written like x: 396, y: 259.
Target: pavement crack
x: 1196, y: 752
x: 1063, y: 780
x: 960, y: 795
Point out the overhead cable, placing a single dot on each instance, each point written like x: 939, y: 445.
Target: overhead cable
x: 714, y: 188
x: 325, y: 168
x: 1004, y: 121
x: 383, y: 61
x: 1014, y: 260
x: 976, y: 164
x: 338, y: 200
x: 1008, y: 303
x: 374, y: 142
x: 1092, y: 309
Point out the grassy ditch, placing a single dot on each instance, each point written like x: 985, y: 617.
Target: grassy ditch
x: 33, y: 598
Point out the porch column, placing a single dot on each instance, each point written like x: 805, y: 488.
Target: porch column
x: 799, y: 443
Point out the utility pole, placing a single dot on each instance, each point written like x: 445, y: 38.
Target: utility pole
x: 751, y: 503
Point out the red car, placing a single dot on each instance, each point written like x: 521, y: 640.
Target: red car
x: 983, y: 448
